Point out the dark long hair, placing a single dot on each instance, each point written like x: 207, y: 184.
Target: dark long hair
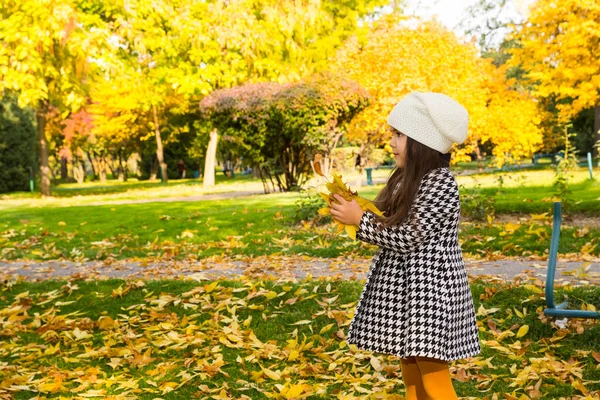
x: 419, y: 160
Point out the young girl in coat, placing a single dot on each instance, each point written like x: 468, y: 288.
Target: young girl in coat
x: 416, y: 302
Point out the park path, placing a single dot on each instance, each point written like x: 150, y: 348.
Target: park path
x: 286, y: 267
x: 241, y: 193
x: 202, y: 197
x: 235, y: 194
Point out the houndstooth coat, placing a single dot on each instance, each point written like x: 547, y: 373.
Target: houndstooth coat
x: 416, y: 300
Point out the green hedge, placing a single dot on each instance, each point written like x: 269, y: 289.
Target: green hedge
x: 17, y: 146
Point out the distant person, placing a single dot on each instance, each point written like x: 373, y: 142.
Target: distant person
x: 416, y: 302
x: 358, y: 161
x: 181, y: 168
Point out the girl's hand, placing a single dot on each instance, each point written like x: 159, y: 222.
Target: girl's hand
x: 347, y: 212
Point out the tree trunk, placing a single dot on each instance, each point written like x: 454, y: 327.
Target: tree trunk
x: 153, y: 170
x: 93, y: 163
x: 43, y: 149
x: 479, y: 159
x: 159, y: 147
x: 596, y: 150
x: 209, y: 163
x: 102, y: 170
x: 78, y: 170
x: 63, y: 168
x: 122, y: 174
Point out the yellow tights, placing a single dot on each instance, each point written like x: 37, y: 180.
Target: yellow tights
x: 427, y: 379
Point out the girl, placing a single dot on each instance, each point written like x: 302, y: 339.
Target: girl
x: 416, y: 302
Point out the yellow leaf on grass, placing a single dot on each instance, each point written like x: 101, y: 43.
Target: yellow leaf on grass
x: 533, y: 288
x: 511, y: 228
x: 539, y: 216
x: 293, y: 392
x: 293, y: 355
x: 187, y: 234
x: 272, y: 374
x: 325, y: 328
x: 303, y: 322
x: 105, y: 323
x: 588, y: 248
x: 579, y: 386
x: 519, y: 313
x: 53, y: 387
x: 376, y: 364
x: 168, y: 386
x: 211, y: 287
x: 271, y: 295
x: 523, y: 331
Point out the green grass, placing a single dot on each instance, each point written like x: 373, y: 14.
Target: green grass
x: 203, y: 340
x: 585, y: 199
x: 70, y: 228
x: 255, y: 225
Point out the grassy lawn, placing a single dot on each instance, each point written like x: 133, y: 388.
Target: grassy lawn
x: 267, y: 339
x: 255, y: 225
x: 70, y: 228
x: 526, y: 192
x: 114, y: 190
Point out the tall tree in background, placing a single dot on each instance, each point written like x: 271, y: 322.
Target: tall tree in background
x: 273, y: 40
x: 428, y: 57
x: 159, y: 47
x: 559, y: 50
x: 44, y: 57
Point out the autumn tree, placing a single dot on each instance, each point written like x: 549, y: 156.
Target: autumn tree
x: 159, y: 44
x: 282, y: 41
x: 399, y: 56
x: 45, y: 53
x: 558, y: 49
x: 280, y: 127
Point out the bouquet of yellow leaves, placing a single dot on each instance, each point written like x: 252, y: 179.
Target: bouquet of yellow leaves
x: 337, y: 186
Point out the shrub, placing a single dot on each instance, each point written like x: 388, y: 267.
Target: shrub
x: 17, y: 146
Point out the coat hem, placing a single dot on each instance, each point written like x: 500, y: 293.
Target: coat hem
x: 416, y: 354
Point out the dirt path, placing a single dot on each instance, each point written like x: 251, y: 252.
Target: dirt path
x: 287, y: 267
x: 202, y: 197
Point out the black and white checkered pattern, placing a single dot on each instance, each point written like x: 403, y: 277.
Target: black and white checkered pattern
x: 416, y: 300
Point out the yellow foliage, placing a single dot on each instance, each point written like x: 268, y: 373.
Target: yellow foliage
x: 558, y: 49
x: 396, y: 59
x: 337, y: 186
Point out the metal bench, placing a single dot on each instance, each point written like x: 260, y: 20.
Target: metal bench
x: 560, y: 310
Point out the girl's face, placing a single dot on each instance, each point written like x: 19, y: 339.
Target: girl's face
x: 398, y: 145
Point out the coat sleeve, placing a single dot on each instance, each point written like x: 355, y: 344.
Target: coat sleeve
x: 437, y: 201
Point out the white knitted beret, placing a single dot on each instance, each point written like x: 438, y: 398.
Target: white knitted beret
x: 432, y: 119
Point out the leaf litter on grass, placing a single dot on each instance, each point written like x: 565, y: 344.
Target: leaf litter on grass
x: 267, y: 338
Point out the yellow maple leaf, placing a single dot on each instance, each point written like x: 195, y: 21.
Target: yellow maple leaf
x: 337, y: 186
